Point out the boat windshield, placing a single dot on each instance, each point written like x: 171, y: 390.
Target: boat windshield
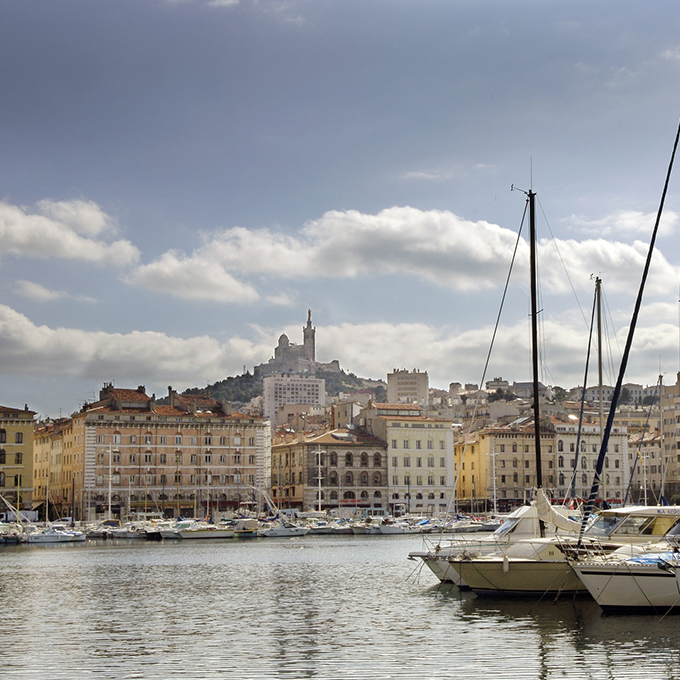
x: 603, y: 525
x: 506, y: 527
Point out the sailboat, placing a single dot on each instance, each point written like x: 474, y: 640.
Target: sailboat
x: 541, y: 566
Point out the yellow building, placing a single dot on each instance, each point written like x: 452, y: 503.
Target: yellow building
x: 16, y: 456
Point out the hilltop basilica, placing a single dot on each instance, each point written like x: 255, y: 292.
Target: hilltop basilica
x: 291, y: 358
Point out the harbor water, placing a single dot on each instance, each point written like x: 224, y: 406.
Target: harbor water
x: 315, y: 607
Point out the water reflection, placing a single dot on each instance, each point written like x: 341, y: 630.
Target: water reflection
x: 321, y: 608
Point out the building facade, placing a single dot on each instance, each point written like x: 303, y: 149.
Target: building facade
x: 407, y: 387
x: 343, y: 471
x: 420, y: 456
x: 126, y: 455
x: 16, y: 456
x: 280, y: 390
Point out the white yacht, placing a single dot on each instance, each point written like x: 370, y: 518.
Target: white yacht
x: 540, y: 565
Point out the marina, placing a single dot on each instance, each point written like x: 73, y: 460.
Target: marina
x: 319, y: 607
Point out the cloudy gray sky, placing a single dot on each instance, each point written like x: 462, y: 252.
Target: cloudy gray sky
x: 181, y: 180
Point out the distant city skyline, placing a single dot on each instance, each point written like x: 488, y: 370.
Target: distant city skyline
x: 181, y: 181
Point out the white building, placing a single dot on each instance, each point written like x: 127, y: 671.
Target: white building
x: 280, y: 390
x: 407, y: 387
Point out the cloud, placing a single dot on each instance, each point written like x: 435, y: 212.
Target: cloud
x: 63, y: 230
x: 626, y: 223
x: 32, y: 350
x: 434, y: 245
x: 223, y: 3
x: 197, y: 277
x: 38, y: 293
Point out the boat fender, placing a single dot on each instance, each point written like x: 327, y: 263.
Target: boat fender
x: 506, y: 564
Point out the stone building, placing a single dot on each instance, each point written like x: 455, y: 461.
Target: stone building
x: 420, y: 456
x: 16, y: 456
x: 342, y: 470
x: 125, y: 451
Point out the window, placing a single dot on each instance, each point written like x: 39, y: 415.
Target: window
x: 251, y: 441
x: 116, y: 439
x: 502, y: 479
x: 3, y: 436
x: 364, y: 459
x: 18, y: 458
x: 164, y: 459
x: 418, y: 446
x: 407, y: 461
x: 133, y: 439
x: 208, y: 458
x: 3, y: 457
x: 526, y: 448
x: 133, y: 458
x: 502, y: 448
x: 430, y: 480
x: 19, y: 438
x: 395, y: 461
x: 100, y: 439
x: 515, y: 478
x: 405, y: 443
x: 514, y: 462
x: 561, y: 479
x: 223, y: 441
x: 377, y: 460
x: 164, y: 440
x: 377, y: 479
x: 441, y: 445
x: 527, y: 479
x: 349, y: 479
x: 430, y: 444
x: 419, y: 462
x: 178, y: 440
x: 514, y: 448
x: 116, y: 457
x: 363, y: 479
x: 442, y: 462
x: 526, y: 463
x: 584, y: 463
x: 334, y: 458
x: 560, y: 461
x: 430, y: 462
x: 560, y: 445
x: 194, y: 459
x: 584, y: 479
x: 349, y: 459
x: 148, y: 439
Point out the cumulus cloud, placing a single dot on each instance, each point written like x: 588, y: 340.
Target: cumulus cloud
x: 626, y: 223
x: 32, y: 350
x: 198, y: 277
x: 38, y: 293
x: 434, y: 245
x: 63, y: 230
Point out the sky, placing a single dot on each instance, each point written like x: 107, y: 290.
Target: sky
x: 181, y: 180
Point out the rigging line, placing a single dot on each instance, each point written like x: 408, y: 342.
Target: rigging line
x: 626, y: 352
x: 491, y: 345
x: 559, y: 254
x: 572, y: 486
x: 611, y: 335
x: 639, y: 448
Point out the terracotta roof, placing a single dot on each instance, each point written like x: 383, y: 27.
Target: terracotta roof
x: 129, y: 395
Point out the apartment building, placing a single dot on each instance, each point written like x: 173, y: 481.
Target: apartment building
x: 420, y: 456
x: 343, y: 470
x: 407, y: 387
x: 16, y: 456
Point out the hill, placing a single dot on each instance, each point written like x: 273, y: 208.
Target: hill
x: 243, y: 388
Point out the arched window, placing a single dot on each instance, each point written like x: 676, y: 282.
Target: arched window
x: 334, y: 495
x: 560, y: 445
x: 349, y: 479
x: 363, y: 478
x: 349, y: 495
x: 561, y: 479
x: 364, y: 495
x: 377, y: 460
x: 333, y: 478
x: 377, y: 479
x: 334, y: 458
x: 349, y: 459
x: 584, y: 479
x: 560, y: 461
x: 377, y: 494
x: 364, y: 459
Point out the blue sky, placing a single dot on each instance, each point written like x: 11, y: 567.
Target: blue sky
x: 181, y: 180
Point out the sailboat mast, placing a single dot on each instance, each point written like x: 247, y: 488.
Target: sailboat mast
x: 598, y: 294
x: 534, y: 335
